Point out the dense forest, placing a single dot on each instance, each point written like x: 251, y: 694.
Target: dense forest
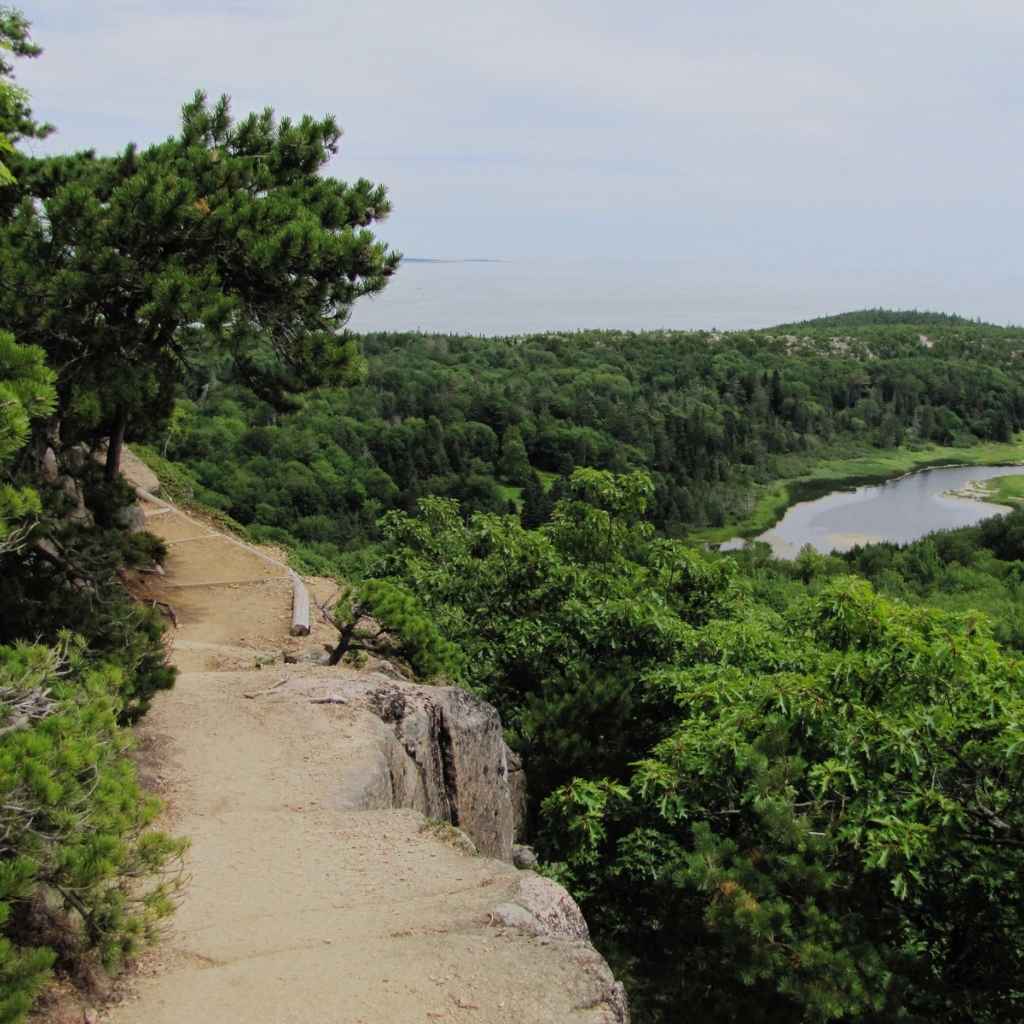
x: 778, y: 795
x: 713, y: 418
x: 749, y: 771
x: 781, y: 791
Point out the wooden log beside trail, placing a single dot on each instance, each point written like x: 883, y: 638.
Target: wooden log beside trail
x: 300, y: 606
x: 300, y: 595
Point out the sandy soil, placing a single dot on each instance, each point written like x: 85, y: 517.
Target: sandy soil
x: 295, y: 913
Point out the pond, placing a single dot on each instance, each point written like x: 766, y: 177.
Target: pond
x: 900, y: 511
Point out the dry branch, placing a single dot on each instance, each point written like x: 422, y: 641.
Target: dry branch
x: 253, y: 694
x: 23, y: 707
x: 167, y: 608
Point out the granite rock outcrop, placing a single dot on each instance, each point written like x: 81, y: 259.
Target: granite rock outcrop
x: 440, y: 752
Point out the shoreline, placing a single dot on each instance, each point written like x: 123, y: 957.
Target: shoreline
x: 842, y: 476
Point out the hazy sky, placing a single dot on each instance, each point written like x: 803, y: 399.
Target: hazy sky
x: 878, y: 135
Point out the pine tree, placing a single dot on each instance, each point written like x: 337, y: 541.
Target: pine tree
x: 514, y: 464
x: 560, y: 490
x: 537, y: 504
x: 227, y: 238
x: 26, y: 390
x: 777, y: 396
x: 16, y: 121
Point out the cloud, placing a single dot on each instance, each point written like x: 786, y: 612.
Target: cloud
x: 849, y: 134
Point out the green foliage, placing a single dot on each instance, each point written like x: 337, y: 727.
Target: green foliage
x: 78, y: 858
x: 723, y: 424
x: 226, y: 239
x: 379, y: 617
x: 514, y: 465
x: 970, y: 569
x: 225, y: 245
x: 559, y: 625
x: 68, y: 579
x: 176, y: 484
x: 845, y: 800
x: 538, y: 506
x: 16, y: 120
x: 26, y: 391
x: 803, y: 809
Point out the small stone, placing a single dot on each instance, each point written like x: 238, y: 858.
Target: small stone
x: 523, y: 857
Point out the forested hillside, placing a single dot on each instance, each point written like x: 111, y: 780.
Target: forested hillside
x: 779, y: 796
x: 713, y: 418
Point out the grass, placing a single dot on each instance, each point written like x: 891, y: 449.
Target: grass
x: 1004, y: 490
x: 448, y: 833
x: 806, y: 480
x: 176, y: 484
x: 546, y: 478
x: 511, y: 493
x: 516, y: 493
x: 178, y: 487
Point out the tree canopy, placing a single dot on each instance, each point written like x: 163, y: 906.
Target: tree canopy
x: 722, y: 423
x: 16, y: 121
x: 26, y: 392
x: 226, y: 239
x: 807, y: 814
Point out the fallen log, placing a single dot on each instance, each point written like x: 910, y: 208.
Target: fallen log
x: 300, y: 606
x: 300, y: 595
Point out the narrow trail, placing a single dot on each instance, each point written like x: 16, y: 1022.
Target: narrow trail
x: 295, y: 913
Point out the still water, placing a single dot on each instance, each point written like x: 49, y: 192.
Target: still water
x: 492, y: 298
x: 900, y: 511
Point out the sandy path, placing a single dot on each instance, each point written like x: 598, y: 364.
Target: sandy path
x: 295, y: 912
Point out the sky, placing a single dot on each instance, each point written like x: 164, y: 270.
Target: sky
x: 871, y: 135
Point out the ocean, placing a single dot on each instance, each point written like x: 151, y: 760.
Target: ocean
x: 512, y: 298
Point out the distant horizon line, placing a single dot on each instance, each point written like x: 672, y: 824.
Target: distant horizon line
x: 734, y: 266
x: 431, y: 259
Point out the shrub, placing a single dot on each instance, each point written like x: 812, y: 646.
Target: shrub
x: 80, y: 869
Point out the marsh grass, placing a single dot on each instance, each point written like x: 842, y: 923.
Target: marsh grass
x: 1004, y: 490
x: 807, y: 480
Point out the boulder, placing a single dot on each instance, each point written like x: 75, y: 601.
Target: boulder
x: 439, y: 751
x: 523, y: 857
x: 137, y: 473
x: 48, y: 464
x: 517, y: 794
x: 132, y: 518
x: 73, y: 492
x: 542, y: 908
x: 451, y: 742
x: 455, y: 740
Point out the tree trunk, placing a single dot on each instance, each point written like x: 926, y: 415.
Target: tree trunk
x: 343, y: 644
x: 116, y: 445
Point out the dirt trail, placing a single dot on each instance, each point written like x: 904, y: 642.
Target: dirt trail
x: 295, y: 913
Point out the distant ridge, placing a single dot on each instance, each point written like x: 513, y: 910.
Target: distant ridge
x: 866, y: 317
